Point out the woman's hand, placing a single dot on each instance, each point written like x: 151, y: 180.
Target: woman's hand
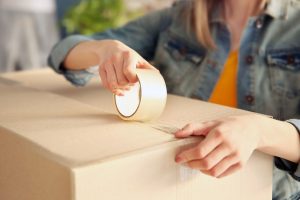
x: 227, y: 146
x: 117, y: 66
x: 117, y: 62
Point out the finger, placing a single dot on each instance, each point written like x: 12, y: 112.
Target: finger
x: 223, y: 166
x: 195, y: 129
x: 103, y: 77
x: 118, y: 92
x: 131, y: 84
x: 231, y: 170
x: 198, y: 152
x: 118, y: 67
x: 211, y: 160
x: 143, y: 64
x: 111, y: 77
x: 129, y: 67
x: 205, y: 172
x: 126, y: 87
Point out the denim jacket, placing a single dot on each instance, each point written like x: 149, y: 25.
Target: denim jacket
x: 269, y: 58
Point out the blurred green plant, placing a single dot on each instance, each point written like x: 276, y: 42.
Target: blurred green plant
x: 92, y: 16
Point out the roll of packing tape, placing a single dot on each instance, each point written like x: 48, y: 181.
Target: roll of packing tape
x: 146, y: 100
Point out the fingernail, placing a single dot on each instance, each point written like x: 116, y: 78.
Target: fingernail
x: 118, y: 93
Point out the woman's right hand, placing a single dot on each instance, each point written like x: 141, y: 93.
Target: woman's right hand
x: 117, y: 65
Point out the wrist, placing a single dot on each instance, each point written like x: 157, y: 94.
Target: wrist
x: 94, y: 47
x: 279, y: 138
x: 269, y: 128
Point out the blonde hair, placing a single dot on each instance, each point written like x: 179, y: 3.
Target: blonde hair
x: 202, y: 10
x: 201, y: 22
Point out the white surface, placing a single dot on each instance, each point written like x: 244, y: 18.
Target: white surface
x: 28, y: 5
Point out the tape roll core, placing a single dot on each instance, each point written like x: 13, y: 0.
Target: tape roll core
x: 146, y: 100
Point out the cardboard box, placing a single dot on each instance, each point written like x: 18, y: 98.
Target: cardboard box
x: 68, y: 144
x: 179, y: 110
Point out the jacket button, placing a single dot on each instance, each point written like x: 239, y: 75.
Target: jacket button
x: 259, y: 23
x: 249, y: 60
x: 291, y: 60
x: 183, y: 51
x: 249, y: 99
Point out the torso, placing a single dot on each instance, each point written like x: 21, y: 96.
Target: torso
x: 269, y: 63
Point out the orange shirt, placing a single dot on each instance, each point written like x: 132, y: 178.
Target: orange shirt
x: 225, y: 91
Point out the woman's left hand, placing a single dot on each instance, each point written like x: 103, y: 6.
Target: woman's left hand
x: 227, y: 146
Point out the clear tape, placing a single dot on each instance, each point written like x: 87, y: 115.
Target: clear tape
x: 151, y: 97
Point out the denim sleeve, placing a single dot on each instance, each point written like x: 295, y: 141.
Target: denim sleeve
x: 140, y: 35
x: 292, y: 168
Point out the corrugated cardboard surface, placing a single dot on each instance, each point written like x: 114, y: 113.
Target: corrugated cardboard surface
x: 28, y: 173
x: 69, y: 144
x: 178, y: 112
x: 74, y: 131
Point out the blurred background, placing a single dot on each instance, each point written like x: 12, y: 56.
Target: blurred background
x: 30, y: 28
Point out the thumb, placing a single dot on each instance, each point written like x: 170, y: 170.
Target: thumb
x: 143, y: 64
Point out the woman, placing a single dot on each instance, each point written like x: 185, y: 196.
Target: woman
x: 243, y: 54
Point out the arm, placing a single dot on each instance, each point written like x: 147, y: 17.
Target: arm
x: 76, y: 53
x: 117, y: 63
x: 281, y: 139
x: 229, y: 143
x: 286, y: 164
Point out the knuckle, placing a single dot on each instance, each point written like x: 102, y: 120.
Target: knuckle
x: 214, y: 172
x: 199, y: 153
x: 230, y: 147
x: 237, y: 155
x: 106, y: 64
x: 240, y: 165
x: 128, y: 72
x: 219, y: 134
x: 126, y: 53
x: 117, y: 43
x: 114, y: 59
x: 206, y: 164
x: 112, y: 85
x: 233, y: 148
